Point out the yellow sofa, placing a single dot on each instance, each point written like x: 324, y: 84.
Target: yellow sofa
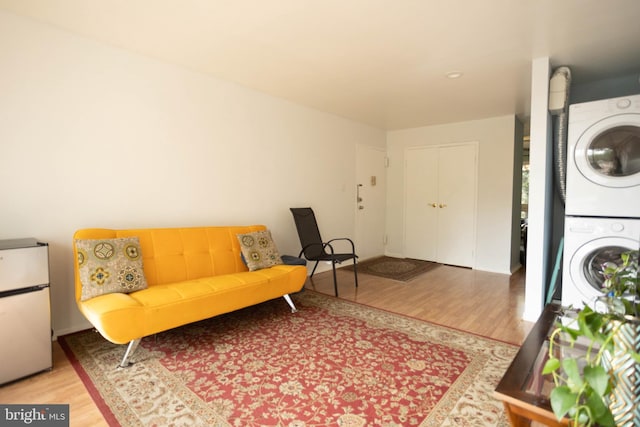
x: 192, y: 274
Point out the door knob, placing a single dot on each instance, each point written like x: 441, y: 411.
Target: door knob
x: 443, y: 205
x: 434, y: 205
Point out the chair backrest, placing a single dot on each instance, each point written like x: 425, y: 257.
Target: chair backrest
x: 308, y: 232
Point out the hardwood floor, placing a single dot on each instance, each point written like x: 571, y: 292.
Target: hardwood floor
x: 488, y: 304
x: 60, y: 385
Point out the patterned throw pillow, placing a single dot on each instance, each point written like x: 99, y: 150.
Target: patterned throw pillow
x: 258, y: 250
x: 109, y: 266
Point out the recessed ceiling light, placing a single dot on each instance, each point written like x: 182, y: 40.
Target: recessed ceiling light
x: 454, y: 74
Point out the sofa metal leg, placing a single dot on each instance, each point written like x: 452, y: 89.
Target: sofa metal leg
x: 290, y: 302
x: 131, y: 348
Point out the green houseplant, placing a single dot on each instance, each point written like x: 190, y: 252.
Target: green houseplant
x: 586, y: 385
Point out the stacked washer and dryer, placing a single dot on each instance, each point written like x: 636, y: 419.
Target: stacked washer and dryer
x: 602, y: 208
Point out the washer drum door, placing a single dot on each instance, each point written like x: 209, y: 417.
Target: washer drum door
x: 608, y: 152
x: 587, y: 262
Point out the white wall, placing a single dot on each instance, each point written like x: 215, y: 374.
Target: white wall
x: 95, y: 136
x: 495, y: 184
x: 540, y: 191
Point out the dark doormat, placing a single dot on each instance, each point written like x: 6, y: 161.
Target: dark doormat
x: 401, y: 269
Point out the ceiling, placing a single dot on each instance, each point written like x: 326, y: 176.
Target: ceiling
x: 381, y: 62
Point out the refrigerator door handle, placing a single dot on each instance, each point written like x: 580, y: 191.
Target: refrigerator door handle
x: 22, y: 291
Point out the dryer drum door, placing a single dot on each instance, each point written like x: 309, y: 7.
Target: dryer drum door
x: 588, y: 261
x: 608, y: 152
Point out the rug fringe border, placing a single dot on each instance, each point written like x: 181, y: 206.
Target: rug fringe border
x: 109, y: 416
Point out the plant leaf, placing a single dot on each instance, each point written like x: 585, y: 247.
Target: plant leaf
x: 590, y: 323
x: 635, y: 356
x: 600, y: 412
x: 562, y: 399
x: 570, y: 367
x: 552, y: 365
x: 572, y: 332
x: 597, y: 378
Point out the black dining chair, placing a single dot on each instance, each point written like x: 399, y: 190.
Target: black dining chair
x: 315, y: 249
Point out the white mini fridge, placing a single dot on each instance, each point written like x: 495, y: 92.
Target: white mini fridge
x: 25, y: 313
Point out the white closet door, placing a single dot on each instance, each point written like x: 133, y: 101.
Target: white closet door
x: 421, y: 198
x: 456, y: 207
x: 440, y: 204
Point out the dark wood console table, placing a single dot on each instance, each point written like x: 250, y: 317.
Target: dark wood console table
x: 523, y: 389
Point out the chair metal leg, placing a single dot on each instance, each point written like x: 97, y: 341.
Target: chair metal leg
x: 314, y: 268
x: 131, y: 348
x: 291, y: 304
x: 335, y: 280
x: 355, y: 272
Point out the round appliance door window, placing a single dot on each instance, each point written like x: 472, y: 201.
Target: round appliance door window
x: 608, y: 152
x: 597, y: 260
x: 590, y: 259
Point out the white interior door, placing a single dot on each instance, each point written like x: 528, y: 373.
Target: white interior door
x: 456, y: 206
x: 440, y: 203
x: 421, y: 199
x: 370, y: 209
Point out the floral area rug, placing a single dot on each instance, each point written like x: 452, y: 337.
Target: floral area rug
x: 400, y: 269
x: 333, y: 363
